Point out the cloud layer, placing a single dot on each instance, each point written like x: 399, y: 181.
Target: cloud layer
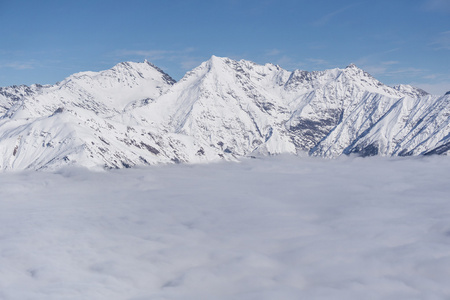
x: 279, y: 228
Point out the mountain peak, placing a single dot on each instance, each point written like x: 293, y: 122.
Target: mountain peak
x: 214, y: 58
x: 352, y: 69
x: 216, y: 62
x: 351, y: 66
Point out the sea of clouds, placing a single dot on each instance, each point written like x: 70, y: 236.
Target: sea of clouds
x: 274, y: 228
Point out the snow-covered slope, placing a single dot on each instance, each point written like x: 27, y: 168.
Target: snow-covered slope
x: 231, y: 107
x: 70, y: 122
x: 410, y: 90
x: 10, y: 95
x: 407, y: 126
x: 136, y: 114
x: 105, y: 93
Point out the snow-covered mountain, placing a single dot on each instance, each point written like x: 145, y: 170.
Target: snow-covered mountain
x: 135, y: 114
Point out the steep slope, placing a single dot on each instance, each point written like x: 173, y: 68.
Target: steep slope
x: 84, y: 139
x: 407, y: 126
x: 412, y: 128
x: 240, y: 108
x: 327, y: 97
x: 230, y: 107
x: 10, y: 95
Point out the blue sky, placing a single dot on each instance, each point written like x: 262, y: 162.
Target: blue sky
x: 397, y: 41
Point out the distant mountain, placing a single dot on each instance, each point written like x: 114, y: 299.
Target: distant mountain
x: 135, y: 114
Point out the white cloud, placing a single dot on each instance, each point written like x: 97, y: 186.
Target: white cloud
x: 273, y: 52
x: 287, y: 62
x: 18, y: 65
x: 387, y: 71
x: 185, y: 58
x: 324, y: 20
x: 390, y: 62
x: 374, y: 66
x: 431, y: 76
x: 317, y: 61
x: 374, y: 69
x: 437, y: 88
x: 274, y: 228
x: 383, y: 68
x: 372, y: 61
x: 437, y: 5
x: 405, y: 71
x: 189, y: 63
x: 318, y: 45
x: 442, y: 41
x: 155, y: 54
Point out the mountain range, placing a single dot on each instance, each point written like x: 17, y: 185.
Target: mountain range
x: 136, y: 114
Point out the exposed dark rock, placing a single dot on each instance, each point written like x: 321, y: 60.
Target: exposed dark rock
x: 201, y: 152
x: 103, y: 140
x: 126, y: 165
x: 150, y: 148
x: 58, y: 111
x: 364, y: 151
x: 439, y: 150
x: 405, y: 152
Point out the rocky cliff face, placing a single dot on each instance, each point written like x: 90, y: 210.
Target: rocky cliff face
x: 135, y: 114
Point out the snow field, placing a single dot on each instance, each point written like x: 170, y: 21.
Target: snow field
x: 274, y: 228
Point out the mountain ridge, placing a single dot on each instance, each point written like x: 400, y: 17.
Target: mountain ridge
x: 136, y: 114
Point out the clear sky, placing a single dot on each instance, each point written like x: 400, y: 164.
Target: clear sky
x: 397, y: 41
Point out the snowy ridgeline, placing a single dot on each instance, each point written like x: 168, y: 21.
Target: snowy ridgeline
x: 277, y: 228
x: 135, y: 114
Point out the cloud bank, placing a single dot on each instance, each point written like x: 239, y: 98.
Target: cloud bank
x: 276, y: 228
